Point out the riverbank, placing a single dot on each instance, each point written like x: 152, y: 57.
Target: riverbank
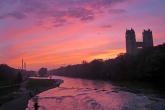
x: 33, y: 86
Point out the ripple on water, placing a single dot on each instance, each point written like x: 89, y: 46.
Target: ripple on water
x: 72, y: 95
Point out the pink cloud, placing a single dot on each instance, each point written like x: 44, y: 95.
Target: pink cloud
x: 55, y: 32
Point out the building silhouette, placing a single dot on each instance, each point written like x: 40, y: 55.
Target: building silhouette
x: 24, y: 66
x: 132, y: 47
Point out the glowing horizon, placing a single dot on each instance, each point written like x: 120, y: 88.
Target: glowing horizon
x: 55, y: 32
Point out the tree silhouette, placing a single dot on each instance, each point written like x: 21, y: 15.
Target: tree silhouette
x: 147, y: 65
x: 42, y: 71
x: 19, y: 77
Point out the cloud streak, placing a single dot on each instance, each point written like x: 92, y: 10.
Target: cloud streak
x: 117, y: 11
x: 106, y: 26
x: 16, y: 15
x: 58, y: 10
x: 53, y: 32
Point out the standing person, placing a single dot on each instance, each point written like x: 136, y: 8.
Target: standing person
x: 35, y: 100
x: 30, y: 94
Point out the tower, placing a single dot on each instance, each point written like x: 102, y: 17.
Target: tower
x: 130, y: 42
x: 133, y: 47
x: 147, y: 38
x: 22, y: 64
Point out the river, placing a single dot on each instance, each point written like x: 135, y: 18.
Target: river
x: 83, y: 94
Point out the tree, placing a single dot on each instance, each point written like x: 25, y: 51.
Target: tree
x: 19, y: 77
x: 42, y: 71
x: 155, y: 65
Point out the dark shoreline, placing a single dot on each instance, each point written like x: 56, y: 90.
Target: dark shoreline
x: 21, y: 103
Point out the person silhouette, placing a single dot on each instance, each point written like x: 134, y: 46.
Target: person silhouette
x: 36, y: 106
x: 30, y: 94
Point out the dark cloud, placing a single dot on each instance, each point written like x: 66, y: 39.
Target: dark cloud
x: 117, y: 11
x: 84, y: 10
x: 87, y: 18
x: 98, y: 4
x: 51, y: 14
x: 39, y: 23
x: 59, y: 14
x: 32, y: 6
x: 65, y: 3
x: 80, y: 13
x: 16, y: 15
x: 2, y: 2
x: 59, y: 22
x: 106, y: 26
x: 3, y: 16
x: 58, y: 25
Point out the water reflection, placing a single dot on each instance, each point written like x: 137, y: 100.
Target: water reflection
x: 84, y: 83
x: 83, y: 94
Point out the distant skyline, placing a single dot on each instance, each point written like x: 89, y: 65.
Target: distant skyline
x: 50, y: 33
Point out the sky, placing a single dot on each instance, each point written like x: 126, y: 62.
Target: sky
x: 54, y: 33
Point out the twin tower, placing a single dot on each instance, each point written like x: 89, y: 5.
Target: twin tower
x: 132, y: 47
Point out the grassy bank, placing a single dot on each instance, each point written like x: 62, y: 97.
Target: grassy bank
x: 36, y: 86
x: 6, y: 82
x: 6, y: 94
x: 39, y: 83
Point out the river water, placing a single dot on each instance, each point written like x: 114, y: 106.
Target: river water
x: 83, y: 94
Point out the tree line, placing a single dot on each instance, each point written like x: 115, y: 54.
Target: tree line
x: 147, y: 65
x: 9, y: 74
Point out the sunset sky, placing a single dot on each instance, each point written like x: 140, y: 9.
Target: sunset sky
x: 51, y: 33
